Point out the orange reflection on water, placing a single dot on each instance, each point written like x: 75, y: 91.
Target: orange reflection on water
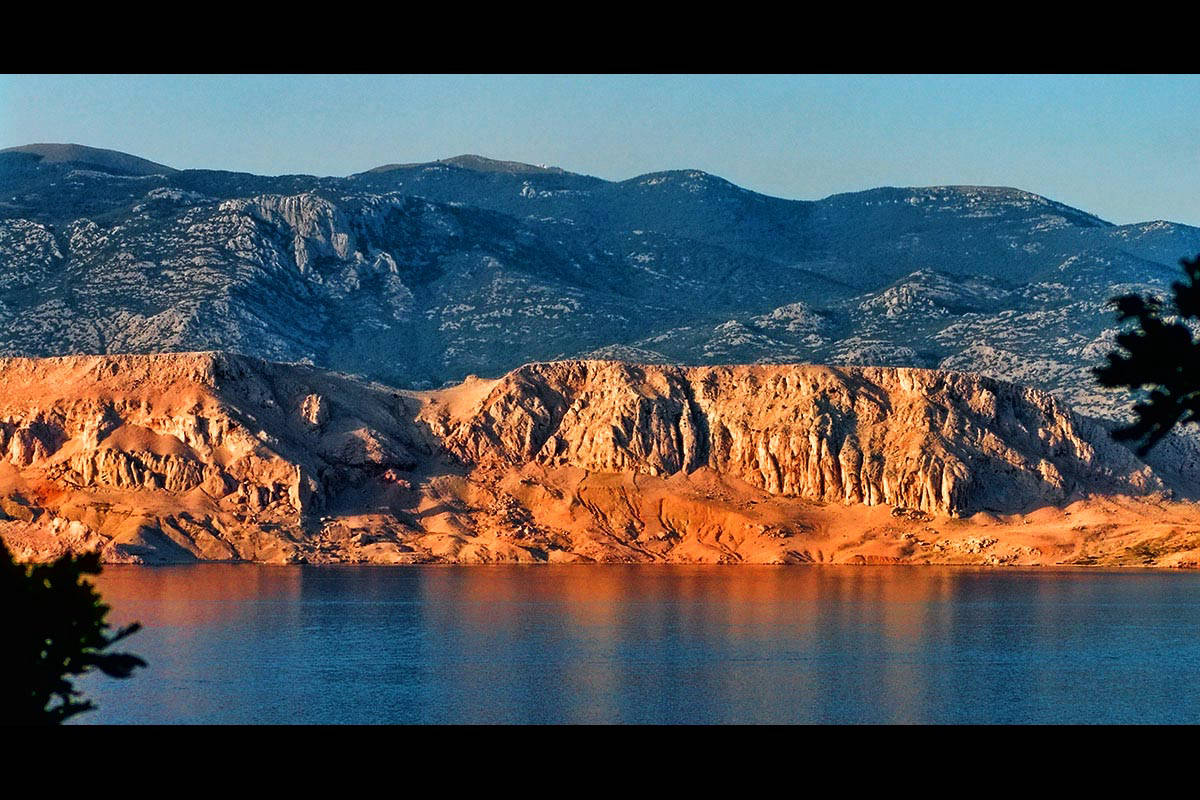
x: 200, y: 594
x: 635, y: 643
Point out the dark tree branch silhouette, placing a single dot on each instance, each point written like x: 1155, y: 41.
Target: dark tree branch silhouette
x: 54, y: 628
x: 1161, y: 360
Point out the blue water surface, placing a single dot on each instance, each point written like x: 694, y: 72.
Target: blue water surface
x: 652, y: 644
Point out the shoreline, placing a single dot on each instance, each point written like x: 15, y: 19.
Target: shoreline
x: 540, y: 565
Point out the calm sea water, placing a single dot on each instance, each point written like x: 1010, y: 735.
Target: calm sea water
x: 653, y: 644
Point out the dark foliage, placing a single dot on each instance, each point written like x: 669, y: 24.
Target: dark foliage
x: 54, y: 629
x: 1161, y: 360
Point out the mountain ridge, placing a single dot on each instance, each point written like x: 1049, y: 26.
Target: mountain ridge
x: 54, y: 152
x: 65, y: 153
x: 477, y: 163
x: 423, y: 275
x: 213, y: 456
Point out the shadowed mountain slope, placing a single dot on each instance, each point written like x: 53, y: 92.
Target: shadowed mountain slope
x: 420, y: 274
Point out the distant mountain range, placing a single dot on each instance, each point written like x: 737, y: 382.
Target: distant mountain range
x: 418, y: 274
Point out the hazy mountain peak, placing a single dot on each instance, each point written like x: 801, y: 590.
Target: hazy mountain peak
x: 485, y: 164
x: 477, y: 163
x: 970, y: 200
x: 110, y: 161
x: 692, y: 179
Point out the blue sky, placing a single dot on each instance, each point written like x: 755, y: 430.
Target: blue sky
x: 1124, y: 147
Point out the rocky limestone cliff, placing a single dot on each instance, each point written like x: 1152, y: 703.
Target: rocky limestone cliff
x: 942, y: 442
x: 215, y: 456
x: 244, y: 442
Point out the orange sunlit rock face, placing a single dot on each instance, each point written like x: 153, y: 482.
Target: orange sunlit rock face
x: 212, y: 456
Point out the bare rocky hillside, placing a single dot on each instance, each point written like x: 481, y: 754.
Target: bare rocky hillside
x: 188, y: 456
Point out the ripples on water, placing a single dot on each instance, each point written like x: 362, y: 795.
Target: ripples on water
x: 652, y: 644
